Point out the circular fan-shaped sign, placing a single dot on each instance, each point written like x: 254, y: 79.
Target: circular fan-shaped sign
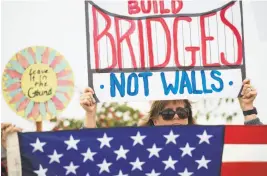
x: 38, y: 83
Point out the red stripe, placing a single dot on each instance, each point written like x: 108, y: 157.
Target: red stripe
x: 244, y: 169
x: 246, y: 135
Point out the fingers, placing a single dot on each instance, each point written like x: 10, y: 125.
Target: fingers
x: 91, y: 97
x: 87, y: 98
x: 246, y: 88
x: 251, y: 94
x: 89, y: 89
x: 85, y: 102
x: 5, y: 125
x: 246, y: 81
x: 10, y: 129
x: 248, y: 91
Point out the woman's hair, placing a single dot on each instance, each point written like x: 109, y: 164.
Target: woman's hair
x: 158, y: 106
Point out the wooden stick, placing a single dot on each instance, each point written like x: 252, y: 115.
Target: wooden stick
x: 39, y: 126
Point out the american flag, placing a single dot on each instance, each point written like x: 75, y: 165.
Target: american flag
x: 149, y: 151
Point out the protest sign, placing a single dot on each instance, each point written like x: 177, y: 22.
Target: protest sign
x: 164, y: 49
x: 38, y: 83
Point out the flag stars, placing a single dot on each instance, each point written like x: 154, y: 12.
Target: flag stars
x: 88, y: 155
x: 204, y: 137
x: 105, y: 141
x: 71, y: 168
x: 138, y: 139
x: 170, y: 163
x: 154, y: 151
x: 121, y: 174
x: 41, y: 172
x: 104, y: 166
x: 203, y: 162
x: 55, y: 157
x: 116, y: 149
x: 121, y: 153
x: 187, y: 150
x: 38, y: 145
x: 153, y: 173
x: 72, y: 143
x: 185, y: 173
x: 137, y: 164
x: 171, y: 137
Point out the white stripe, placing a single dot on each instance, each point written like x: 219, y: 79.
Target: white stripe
x: 244, y: 153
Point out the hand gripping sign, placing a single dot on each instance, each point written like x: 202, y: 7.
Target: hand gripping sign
x: 156, y: 49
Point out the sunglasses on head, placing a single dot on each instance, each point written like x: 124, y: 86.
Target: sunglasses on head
x: 168, y: 114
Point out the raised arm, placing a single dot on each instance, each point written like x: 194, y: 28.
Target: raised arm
x: 248, y: 95
x: 88, y: 103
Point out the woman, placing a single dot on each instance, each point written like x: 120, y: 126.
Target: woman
x: 169, y: 112
x: 174, y: 112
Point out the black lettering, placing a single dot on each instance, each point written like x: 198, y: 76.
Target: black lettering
x: 37, y: 93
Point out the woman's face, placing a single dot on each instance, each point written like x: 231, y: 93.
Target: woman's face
x: 159, y: 121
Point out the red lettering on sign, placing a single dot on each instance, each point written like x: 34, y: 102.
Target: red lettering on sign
x: 154, y: 7
x: 238, y: 39
x: 204, y: 40
x: 176, y: 39
x: 97, y: 36
x: 138, y: 40
x: 149, y: 39
x: 126, y: 37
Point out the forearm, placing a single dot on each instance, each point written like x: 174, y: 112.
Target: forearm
x: 90, y: 120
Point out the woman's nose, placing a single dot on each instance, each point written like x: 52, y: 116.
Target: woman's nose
x: 176, y: 116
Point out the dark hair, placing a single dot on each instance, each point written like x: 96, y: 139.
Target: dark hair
x: 159, y: 105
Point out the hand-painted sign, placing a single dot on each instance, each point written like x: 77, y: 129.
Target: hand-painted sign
x: 164, y: 49
x: 37, y: 83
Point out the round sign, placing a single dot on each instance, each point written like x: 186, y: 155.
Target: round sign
x: 37, y: 83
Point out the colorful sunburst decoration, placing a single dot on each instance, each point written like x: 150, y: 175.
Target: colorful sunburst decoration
x: 38, y: 83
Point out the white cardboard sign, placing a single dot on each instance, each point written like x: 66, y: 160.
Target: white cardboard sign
x: 164, y: 49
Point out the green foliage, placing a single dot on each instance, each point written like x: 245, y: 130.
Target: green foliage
x: 68, y: 124
x: 210, y: 107
x: 109, y: 115
x: 115, y: 114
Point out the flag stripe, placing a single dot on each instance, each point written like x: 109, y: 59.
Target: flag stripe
x: 244, y: 169
x: 245, y: 135
x: 243, y: 152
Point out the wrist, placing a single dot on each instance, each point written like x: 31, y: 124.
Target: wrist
x: 247, y: 107
x: 89, y: 113
x: 90, y: 120
x: 250, y: 113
